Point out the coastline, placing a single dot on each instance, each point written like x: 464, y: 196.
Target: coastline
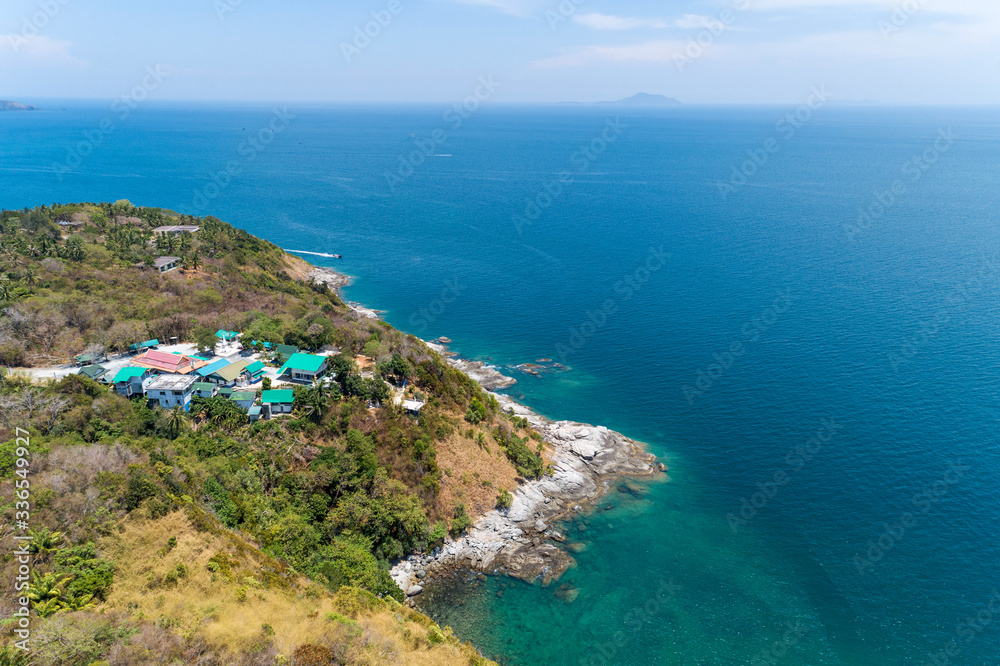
x: 588, y: 460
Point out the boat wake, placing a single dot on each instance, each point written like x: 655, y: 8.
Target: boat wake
x: 318, y: 254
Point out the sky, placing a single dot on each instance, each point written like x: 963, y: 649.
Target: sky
x: 528, y: 51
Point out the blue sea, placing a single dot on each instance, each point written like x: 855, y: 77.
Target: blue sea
x: 802, y: 318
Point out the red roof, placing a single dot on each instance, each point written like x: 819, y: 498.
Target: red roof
x: 165, y: 362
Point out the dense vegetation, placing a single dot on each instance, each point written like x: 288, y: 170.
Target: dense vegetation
x: 322, y: 500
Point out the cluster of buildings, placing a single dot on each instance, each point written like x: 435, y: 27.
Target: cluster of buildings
x: 173, y: 379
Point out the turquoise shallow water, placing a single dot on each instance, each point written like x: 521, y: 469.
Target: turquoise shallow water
x: 779, y: 308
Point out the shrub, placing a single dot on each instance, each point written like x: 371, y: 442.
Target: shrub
x: 461, y: 522
x: 504, y: 500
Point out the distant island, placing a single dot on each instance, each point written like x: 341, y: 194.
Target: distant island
x: 640, y: 99
x: 15, y: 106
x: 645, y: 99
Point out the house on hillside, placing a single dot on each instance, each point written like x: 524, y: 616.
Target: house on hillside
x: 230, y: 374
x: 166, y: 264
x: 303, y: 368
x: 204, y: 389
x: 413, y: 407
x: 285, y: 352
x: 128, y: 381
x: 227, y: 336
x: 145, y: 345
x: 176, y: 364
x: 175, y: 229
x: 206, y: 370
x: 255, y: 371
x: 244, y: 399
x: 95, y: 372
x: 169, y: 391
x: 90, y: 359
x: 276, y: 402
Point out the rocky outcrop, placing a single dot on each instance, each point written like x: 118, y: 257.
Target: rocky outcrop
x: 488, y: 377
x: 586, y: 460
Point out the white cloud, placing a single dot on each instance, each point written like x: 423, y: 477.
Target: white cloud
x: 40, y: 51
x: 689, y: 21
x: 608, y: 22
x: 652, y: 51
x: 523, y: 8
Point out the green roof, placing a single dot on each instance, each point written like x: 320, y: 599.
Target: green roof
x: 307, y: 362
x: 93, y: 371
x: 225, y: 391
x: 242, y: 396
x: 148, y: 344
x: 203, y: 386
x: 278, y: 396
x: 255, y: 368
x: 127, y: 374
x: 285, y: 350
x: 226, y: 335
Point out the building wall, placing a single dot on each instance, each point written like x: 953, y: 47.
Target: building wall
x: 168, y: 400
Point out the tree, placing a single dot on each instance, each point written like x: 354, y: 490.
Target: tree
x: 176, y: 418
x: 205, y: 339
x: 75, y: 248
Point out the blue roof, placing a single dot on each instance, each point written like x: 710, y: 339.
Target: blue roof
x: 212, y: 367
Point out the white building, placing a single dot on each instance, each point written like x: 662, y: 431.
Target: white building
x: 170, y: 391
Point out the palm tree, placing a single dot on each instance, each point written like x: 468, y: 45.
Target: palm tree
x: 6, y: 293
x: 176, y: 418
x: 46, y: 592
x: 79, y: 602
x: 47, y: 607
x: 43, y: 541
x: 30, y: 276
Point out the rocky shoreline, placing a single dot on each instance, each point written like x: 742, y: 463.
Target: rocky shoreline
x: 588, y: 461
x: 335, y: 281
x: 520, y: 542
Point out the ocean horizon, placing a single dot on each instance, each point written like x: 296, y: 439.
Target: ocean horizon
x: 796, y: 310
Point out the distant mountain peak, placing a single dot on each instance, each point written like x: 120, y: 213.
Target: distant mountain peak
x: 15, y: 106
x: 645, y: 99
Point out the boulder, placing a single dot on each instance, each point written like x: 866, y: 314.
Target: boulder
x: 414, y: 590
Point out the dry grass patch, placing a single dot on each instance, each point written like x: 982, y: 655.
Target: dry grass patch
x: 474, y: 474
x: 215, y: 587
